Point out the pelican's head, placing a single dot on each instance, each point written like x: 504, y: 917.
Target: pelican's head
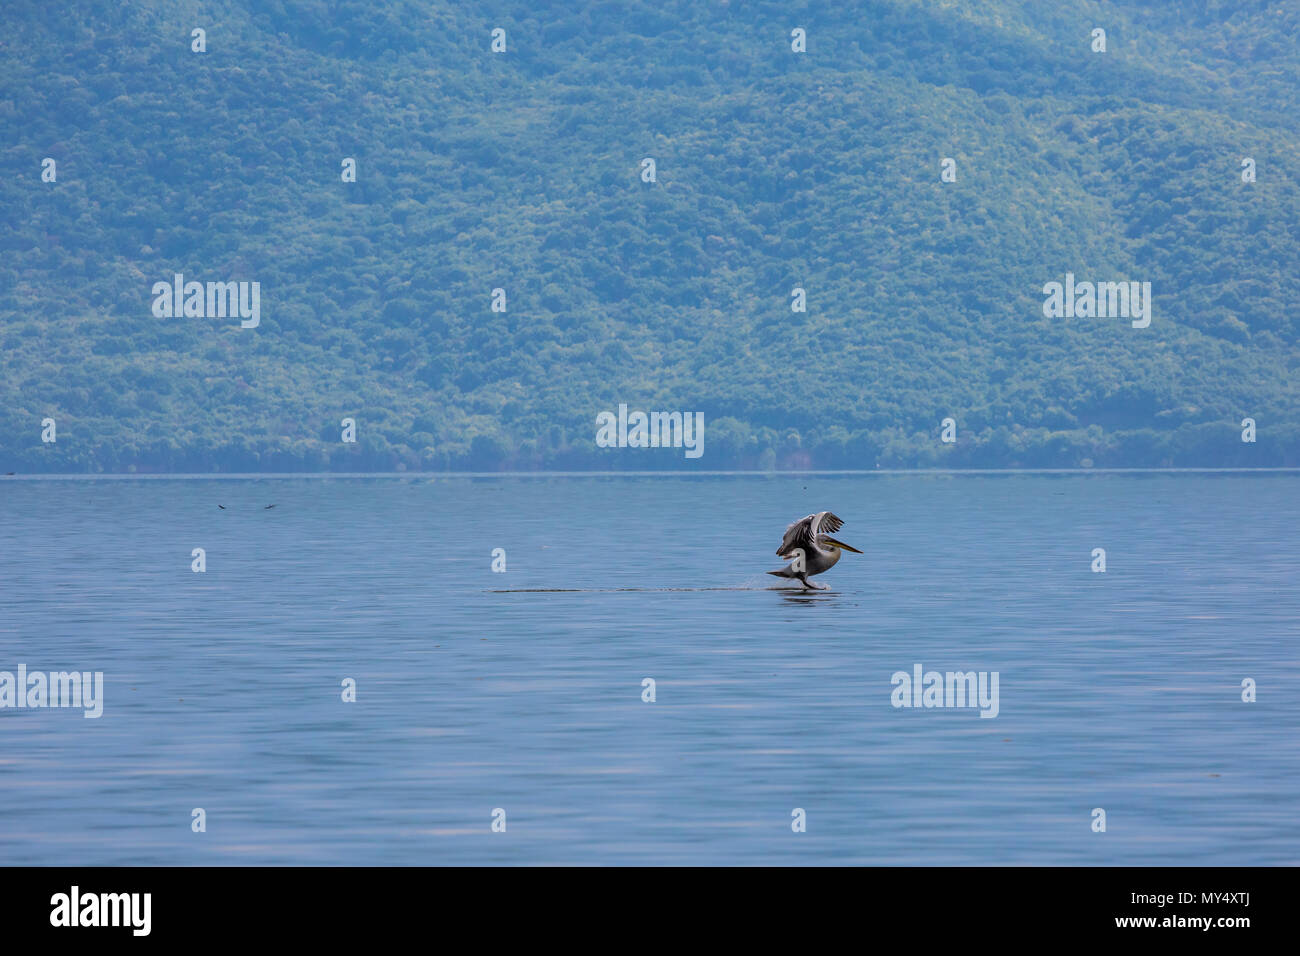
x: 828, y: 541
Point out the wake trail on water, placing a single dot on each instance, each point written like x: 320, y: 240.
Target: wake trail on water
x: 616, y: 590
x: 756, y: 583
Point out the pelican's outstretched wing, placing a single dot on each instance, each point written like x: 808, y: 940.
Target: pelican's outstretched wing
x: 803, y: 533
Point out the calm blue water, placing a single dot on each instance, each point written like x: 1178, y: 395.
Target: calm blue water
x: 222, y: 690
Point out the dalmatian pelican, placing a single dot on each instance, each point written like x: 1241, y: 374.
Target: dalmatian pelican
x: 811, y: 549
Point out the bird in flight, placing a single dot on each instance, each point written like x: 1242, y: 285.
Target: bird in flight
x: 810, y: 548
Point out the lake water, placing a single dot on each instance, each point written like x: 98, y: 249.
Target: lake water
x: 479, y: 690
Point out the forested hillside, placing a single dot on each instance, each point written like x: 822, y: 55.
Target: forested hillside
x: 522, y: 171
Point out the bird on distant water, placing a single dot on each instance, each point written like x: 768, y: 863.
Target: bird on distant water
x: 810, y: 548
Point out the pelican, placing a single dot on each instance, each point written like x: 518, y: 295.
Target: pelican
x: 807, y: 538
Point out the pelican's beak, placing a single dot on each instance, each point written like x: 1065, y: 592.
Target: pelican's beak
x: 839, y: 544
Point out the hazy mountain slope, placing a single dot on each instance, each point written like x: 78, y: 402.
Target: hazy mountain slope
x: 775, y: 170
